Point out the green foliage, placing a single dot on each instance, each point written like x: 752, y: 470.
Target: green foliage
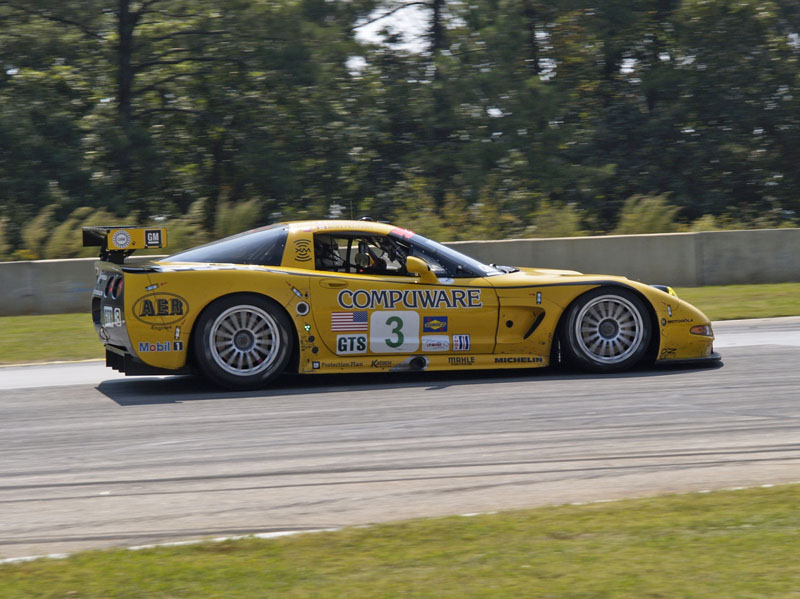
x: 509, y: 117
x: 66, y: 240
x: 234, y: 218
x: 647, y: 214
x: 187, y: 230
x: 5, y: 244
x: 550, y: 220
x: 37, y: 232
x: 416, y: 209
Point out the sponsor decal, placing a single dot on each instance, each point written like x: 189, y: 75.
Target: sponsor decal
x: 461, y: 343
x: 351, y: 344
x: 100, y: 285
x: 413, y: 299
x: 121, y: 239
x: 349, y: 321
x: 435, y: 343
x: 667, y: 353
x: 434, y: 324
x: 159, y: 346
x: 404, y: 233
x: 519, y: 360
x: 461, y: 360
x: 152, y: 238
x: 381, y: 363
x: 112, y: 317
x: 665, y: 322
x: 160, y: 309
x: 302, y: 250
x: 342, y: 364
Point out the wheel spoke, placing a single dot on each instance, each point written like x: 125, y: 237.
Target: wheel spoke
x: 596, y: 343
x: 244, y: 340
x: 609, y: 329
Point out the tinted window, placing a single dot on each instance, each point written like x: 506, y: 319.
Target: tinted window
x: 443, y: 260
x: 260, y: 246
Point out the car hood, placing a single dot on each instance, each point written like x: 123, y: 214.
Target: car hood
x: 555, y: 272
x: 533, y: 277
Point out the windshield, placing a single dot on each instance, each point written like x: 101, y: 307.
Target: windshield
x: 262, y: 246
x: 444, y: 261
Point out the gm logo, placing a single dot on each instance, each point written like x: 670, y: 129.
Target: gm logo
x: 152, y: 238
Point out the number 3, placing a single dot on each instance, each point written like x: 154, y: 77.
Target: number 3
x: 393, y: 332
x: 397, y: 331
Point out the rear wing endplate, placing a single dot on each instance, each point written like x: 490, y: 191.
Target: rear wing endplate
x: 117, y: 243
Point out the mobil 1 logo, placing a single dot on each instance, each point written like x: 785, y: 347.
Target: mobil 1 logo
x: 351, y: 344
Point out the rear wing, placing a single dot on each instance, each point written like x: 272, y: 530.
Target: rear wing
x: 117, y: 243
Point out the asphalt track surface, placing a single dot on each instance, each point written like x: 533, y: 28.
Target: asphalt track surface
x: 92, y: 460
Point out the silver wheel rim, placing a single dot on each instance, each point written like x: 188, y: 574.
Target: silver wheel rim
x: 244, y: 340
x: 609, y: 329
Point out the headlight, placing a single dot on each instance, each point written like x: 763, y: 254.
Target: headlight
x: 665, y: 289
x: 702, y: 329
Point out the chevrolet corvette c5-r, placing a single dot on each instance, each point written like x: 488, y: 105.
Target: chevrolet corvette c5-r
x: 360, y: 296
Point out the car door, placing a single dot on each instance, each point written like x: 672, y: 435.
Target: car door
x: 372, y: 314
x: 388, y: 314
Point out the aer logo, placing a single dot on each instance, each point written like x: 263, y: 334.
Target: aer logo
x: 160, y: 308
x: 351, y: 344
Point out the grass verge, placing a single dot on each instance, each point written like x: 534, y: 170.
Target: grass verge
x: 731, y: 302
x: 48, y: 337
x: 72, y: 337
x: 732, y: 544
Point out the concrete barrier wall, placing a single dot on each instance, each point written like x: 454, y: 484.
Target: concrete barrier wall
x: 678, y: 259
x: 48, y: 286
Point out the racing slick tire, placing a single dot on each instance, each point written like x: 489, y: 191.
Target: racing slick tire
x: 606, y: 330
x: 242, y: 341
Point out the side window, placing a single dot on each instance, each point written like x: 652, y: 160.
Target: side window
x: 327, y: 255
x: 361, y: 254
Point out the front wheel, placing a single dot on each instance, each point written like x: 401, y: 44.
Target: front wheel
x: 606, y: 330
x: 242, y: 341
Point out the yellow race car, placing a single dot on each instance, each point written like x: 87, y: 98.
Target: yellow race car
x: 362, y: 296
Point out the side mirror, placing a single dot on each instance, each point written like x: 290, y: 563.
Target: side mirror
x: 417, y: 267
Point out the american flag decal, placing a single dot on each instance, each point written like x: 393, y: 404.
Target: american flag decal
x: 349, y: 321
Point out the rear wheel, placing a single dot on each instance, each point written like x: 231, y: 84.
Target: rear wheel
x: 243, y: 341
x: 606, y: 330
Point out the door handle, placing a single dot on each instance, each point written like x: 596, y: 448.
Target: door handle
x: 333, y: 283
